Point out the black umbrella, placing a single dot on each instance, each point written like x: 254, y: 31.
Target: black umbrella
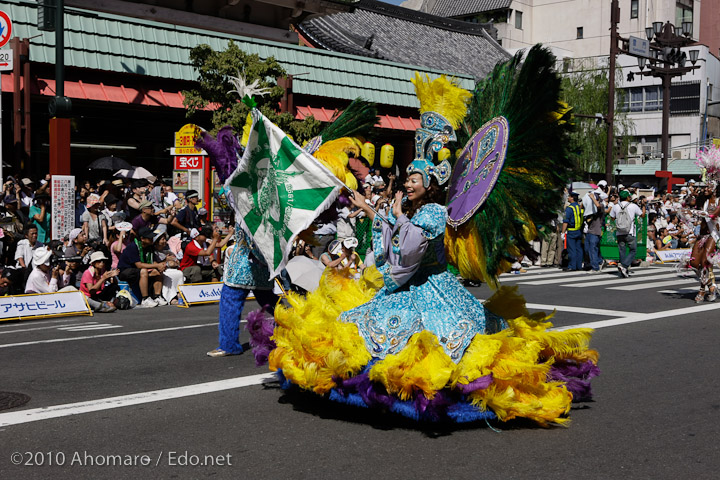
x: 109, y: 163
x: 639, y: 185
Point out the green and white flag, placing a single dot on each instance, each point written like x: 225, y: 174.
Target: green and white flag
x: 278, y: 191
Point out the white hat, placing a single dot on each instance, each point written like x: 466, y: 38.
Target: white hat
x: 41, y: 256
x: 691, y: 181
x: 602, y: 183
x: 74, y: 234
x: 194, y: 233
x: 621, y: 186
x: 97, y: 256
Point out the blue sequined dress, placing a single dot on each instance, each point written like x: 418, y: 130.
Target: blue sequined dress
x: 419, y: 293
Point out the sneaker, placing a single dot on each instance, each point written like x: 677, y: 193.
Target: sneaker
x: 219, y: 352
x: 161, y: 301
x: 700, y: 297
x: 712, y: 295
x: 623, y: 271
x: 106, y: 307
x: 148, y: 303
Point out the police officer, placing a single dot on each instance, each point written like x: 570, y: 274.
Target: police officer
x: 572, y: 230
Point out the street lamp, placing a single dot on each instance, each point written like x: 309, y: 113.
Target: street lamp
x: 666, y: 61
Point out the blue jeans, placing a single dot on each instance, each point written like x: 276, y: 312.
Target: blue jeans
x: 625, y: 243
x: 592, y: 245
x: 232, y: 301
x: 575, y: 249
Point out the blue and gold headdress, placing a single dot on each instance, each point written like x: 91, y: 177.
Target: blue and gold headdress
x: 443, y: 105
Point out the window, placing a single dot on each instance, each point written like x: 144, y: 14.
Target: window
x: 685, y: 98
x: 634, y: 8
x: 579, y: 33
x: 518, y: 20
x: 683, y: 13
x: 642, y: 99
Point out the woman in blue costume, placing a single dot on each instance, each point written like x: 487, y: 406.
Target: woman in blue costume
x: 408, y: 337
x: 419, y: 293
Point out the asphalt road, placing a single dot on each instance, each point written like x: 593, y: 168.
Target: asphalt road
x: 136, y: 388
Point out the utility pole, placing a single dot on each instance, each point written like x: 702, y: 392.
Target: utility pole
x: 610, y: 149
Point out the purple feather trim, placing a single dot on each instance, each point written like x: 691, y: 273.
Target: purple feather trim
x: 223, y: 151
x: 576, y: 377
x: 477, y: 384
x: 374, y: 395
x: 260, y: 325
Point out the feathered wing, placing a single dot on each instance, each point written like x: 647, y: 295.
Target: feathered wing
x: 529, y: 190
x: 355, y: 121
x: 339, y: 138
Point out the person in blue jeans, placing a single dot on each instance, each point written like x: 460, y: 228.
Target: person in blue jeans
x: 594, y: 233
x: 572, y: 231
x: 627, y: 243
x: 244, y: 271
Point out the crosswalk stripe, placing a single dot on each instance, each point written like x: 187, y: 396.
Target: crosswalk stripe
x: 89, y: 327
x: 645, y: 286
x: 634, y: 279
x: 583, y: 276
x: 680, y: 290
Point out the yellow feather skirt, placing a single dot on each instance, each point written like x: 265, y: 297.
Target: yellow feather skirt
x: 317, y: 352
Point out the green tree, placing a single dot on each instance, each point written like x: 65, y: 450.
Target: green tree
x: 215, y: 67
x: 586, y: 90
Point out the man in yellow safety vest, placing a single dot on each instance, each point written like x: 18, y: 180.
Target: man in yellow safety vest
x: 572, y: 231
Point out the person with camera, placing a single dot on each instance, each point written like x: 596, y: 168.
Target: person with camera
x: 78, y: 248
x: 99, y: 285
x: 45, y: 278
x: 187, y: 217
x: 192, y: 269
x: 140, y: 270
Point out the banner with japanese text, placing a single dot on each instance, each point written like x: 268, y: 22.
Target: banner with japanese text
x: 20, y: 307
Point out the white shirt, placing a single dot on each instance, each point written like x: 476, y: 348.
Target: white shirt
x: 25, y: 251
x: 41, y: 282
x: 632, y: 209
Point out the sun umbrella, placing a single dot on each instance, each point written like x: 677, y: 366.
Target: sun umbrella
x: 305, y: 272
x: 133, y: 172
x: 639, y: 185
x: 109, y: 163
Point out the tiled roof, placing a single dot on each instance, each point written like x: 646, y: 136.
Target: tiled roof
x: 380, y: 30
x: 676, y: 166
x: 115, y: 43
x: 456, y: 8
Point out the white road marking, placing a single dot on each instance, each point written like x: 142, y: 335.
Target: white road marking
x: 45, y: 413
x: 648, y: 282
x: 120, y: 334
x: 680, y: 290
x: 583, y: 277
x: 583, y: 310
x: 535, y: 277
x: 670, y: 283
x: 101, y: 326
x: 46, y: 328
x: 644, y: 317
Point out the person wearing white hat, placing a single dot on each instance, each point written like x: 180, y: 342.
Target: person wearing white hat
x: 99, y: 285
x: 44, y: 278
x: 117, y: 247
x: 341, y: 254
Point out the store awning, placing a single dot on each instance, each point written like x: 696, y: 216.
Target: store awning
x: 101, y: 92
x: 392, y: 122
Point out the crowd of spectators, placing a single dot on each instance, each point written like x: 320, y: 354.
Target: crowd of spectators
x: 672, y: 222
x: 133, y: 231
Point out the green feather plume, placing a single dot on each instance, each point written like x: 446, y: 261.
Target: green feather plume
x: 529, y: 191
x: 356, y: 121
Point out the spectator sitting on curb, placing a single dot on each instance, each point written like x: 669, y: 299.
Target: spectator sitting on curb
x: 44, y: 278
x: 137, y: 268
x: 193, y: 272
x: 99, y: 285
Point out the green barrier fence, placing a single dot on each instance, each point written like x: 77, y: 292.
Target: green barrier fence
x: 608, y: 242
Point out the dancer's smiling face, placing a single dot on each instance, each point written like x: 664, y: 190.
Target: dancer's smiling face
x: 414, y: 187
